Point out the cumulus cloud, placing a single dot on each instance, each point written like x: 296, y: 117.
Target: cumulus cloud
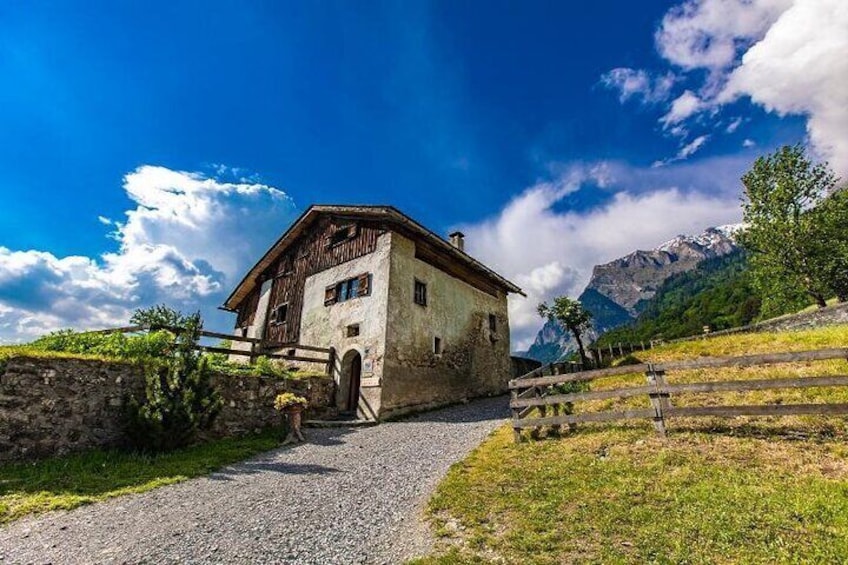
x: 639, y: 84
x: 185, y: 242
x: 549, y: 252
x: 801, y: 67
x: 788, y: 56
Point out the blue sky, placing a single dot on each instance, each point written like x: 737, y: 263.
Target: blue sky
x: 116, y: 118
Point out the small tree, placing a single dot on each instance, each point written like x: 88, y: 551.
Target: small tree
x: 571, y: 315
x: 789, y: 240
x: 178, y: 399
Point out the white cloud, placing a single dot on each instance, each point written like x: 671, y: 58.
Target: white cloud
x: 707, y: 33
x: 685, y: 151
x: 549, y: 252
x: 801, y: 67
x: 683, y: 107
x: 186, y: 242
x: 749, y: 143
x: 636, y: 83
x: 788, y: 56
x: 733, y: 125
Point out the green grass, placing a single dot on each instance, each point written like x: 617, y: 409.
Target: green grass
x: 63, y: 483
x: 744, y: 490
x: 9, y: 351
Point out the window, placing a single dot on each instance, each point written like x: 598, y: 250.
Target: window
x: 420, y: 293
x: 279, y: 314
x: 437, y: 345
x: 493, y: 323
x: 348, y: 289
x: 352, y: 330
x: 341, y: 235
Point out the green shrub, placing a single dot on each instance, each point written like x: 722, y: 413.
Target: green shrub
x: 178, y: 399
x: 265, y: 367
x: 153, y: 345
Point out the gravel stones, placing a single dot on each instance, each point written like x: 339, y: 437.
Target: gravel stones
x: 349, y: 495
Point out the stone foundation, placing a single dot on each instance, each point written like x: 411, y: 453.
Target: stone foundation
x: 53, y: 406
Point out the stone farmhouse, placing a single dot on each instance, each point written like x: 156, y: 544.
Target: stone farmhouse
x: 413, y: 320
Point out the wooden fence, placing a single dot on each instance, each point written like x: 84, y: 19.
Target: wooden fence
x: 322, y: 355
x: 534, y: 391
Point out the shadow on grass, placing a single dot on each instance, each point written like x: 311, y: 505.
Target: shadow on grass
x: 98, y: 474
x: 821, y: 431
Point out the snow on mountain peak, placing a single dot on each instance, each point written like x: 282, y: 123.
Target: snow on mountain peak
x: 708, y: 239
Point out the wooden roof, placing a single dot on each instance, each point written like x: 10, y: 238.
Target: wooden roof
x: 388, y: 214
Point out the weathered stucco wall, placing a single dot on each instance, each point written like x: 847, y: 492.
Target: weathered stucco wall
x: 59, y: 405
x: 474, y: 361
x: 325, y: 326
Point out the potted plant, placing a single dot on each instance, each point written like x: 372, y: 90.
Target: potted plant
x: 293, y: 406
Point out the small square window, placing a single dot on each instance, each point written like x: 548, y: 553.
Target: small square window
x: 437, y: 345
x: 420, y: 293
x: 342, y: 234
x: 279, y: 314
x: 352, y: 330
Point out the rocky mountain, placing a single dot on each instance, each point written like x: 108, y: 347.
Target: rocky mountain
x: 618, y: 288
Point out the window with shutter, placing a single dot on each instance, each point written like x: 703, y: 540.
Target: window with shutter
x: 348, y: 289
x: 330, y: 295
x: 364, y: 286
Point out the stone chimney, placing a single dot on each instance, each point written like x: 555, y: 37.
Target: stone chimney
x: 457, y: 239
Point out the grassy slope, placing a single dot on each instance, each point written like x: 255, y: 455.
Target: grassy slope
x: 63, y: 483
x: 744, y: 490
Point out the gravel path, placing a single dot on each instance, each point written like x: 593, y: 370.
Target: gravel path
x: 347, y: 496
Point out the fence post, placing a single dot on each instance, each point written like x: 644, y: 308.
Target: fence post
x: 516, y: 412
x: 557, y: 370
x: 659, y: 401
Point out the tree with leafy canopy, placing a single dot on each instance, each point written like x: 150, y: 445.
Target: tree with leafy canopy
x: 831, y: 215
x: 791, y: 226
x: 571, y: 315
x: 179, y: 399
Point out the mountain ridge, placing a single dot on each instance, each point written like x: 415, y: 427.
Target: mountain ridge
x: 618, y: 287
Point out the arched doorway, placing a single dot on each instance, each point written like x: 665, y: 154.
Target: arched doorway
x: 350, y: 381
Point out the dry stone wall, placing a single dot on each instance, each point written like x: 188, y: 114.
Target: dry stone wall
x: 53, y: 406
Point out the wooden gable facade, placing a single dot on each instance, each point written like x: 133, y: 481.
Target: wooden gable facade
x: 329, y: 241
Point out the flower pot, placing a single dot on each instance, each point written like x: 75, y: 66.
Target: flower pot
x: 294, y: 415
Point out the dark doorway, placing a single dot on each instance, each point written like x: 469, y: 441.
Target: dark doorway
x: 353, y: 386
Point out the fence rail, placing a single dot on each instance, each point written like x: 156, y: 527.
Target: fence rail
x: 534, y: 391
x: 257, y: 346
